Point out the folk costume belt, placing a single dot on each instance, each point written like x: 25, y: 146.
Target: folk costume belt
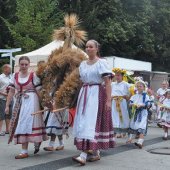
x: 23, y: 93
x: 118, y: 100
x: 84, y: 91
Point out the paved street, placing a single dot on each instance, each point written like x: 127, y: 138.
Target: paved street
x: 123, y: 157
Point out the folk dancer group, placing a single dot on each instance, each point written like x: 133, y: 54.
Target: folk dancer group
x: 105, y: 109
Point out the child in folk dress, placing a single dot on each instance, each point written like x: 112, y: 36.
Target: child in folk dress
x: 161, y: 97
x: 57, y: 126
x: 165, y: 107
x: 139, y: 114
x: 120, y: 97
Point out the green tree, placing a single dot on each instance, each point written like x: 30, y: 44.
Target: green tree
x: 136, y: 29
x: 35, y: 21
x: 100, y: 21
x: 160, y: 26
x: 131, y: 29
x: 120, y: 26
x: 7, y: 11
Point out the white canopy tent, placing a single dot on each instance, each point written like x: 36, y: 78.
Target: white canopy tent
x: 39, y: 54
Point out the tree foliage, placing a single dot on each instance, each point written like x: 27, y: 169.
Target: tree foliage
x: 131, y: 29
x: 34, y: 24
x: 7, y: 10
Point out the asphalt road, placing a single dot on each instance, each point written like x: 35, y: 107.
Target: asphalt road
x: 122, y: 157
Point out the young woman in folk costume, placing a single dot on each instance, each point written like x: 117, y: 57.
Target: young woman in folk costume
x: 161, y: 97
x: 139, y: 114
x: 165, y: 120
x: 93, y: 129
x: 120, y: 96
x: 24, y: 127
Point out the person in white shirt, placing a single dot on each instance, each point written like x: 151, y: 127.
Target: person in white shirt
x: 120, y: 97
x: 161, y: 91
x: 93, y: 129
x: 161, y: 97
x: 165, y: 120
x: 4, y: 82
x: 139, y: 113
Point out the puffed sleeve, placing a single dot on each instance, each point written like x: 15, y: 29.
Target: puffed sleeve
x: 104, y: 68
x: 12, y: 81
x: 37, y: 82
x: 81, y: 69
x: 127, y: 87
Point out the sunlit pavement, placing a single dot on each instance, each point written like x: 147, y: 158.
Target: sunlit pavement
x: 123, y: 157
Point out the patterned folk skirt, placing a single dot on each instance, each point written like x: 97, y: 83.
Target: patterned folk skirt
x: 38, y: 132
x: 23, y: 126
x: 165, y: 120
x: 104, y: 134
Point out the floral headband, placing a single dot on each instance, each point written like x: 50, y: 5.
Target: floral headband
x: 119, y: 70
x: 141, y: 82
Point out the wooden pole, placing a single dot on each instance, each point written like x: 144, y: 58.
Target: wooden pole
x: 53, y: 111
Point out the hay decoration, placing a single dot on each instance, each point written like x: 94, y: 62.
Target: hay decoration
x: 68, y: 92
x: 71, y: 33
x: 41, y: 69
x: 66, y: 58
x: 60, y: 74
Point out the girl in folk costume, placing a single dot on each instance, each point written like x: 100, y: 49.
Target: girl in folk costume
x: 165, y: 107
x: 93, y: 129
x: 24, y: 127
x: 139, y: 114
x: 120, y: 95
x: 57, y: 126
x: 161, y: 96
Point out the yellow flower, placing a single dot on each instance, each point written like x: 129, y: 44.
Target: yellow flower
x: 119, y: 70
